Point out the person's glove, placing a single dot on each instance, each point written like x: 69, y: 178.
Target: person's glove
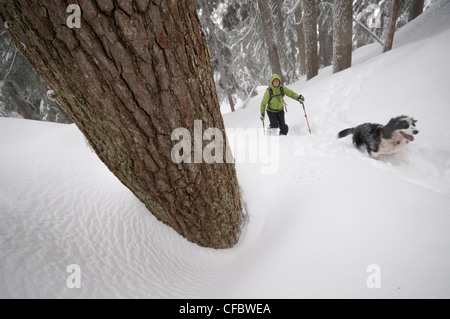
x: 263, y: 115
x: 301, y: 98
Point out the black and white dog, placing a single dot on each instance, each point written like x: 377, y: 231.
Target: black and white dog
x: 387, y: 139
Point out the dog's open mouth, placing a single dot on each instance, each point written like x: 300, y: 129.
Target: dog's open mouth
x: 408, y: 137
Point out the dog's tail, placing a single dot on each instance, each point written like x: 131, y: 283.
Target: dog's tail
x: 346, y: 132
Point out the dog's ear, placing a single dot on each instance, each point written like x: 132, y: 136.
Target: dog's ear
x: 397, y: 123
x: 402, y: 125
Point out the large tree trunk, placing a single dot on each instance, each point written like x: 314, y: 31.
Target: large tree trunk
x: 342, y: 35
x: 269, y: 32
x: 392, y: 24
x: 133, y: 73
x: 310, y: 30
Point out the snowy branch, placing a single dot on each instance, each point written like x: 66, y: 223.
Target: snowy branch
x: 12, y: 65
x: 7, y: 50
x: 368, y: 30
x: 245, y: 35
x: 291, y: 11
x: 249, y: 96
x: 298, y: 23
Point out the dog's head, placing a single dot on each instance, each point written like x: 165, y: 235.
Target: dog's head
x: 405, y: 125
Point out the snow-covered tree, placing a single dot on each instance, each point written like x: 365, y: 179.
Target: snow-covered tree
x: 220, y: 53
x: 279, y: 18
x: 241, y: 23
x: 291, y: 46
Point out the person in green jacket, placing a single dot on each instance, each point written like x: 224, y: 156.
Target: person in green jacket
x: 275, y: 104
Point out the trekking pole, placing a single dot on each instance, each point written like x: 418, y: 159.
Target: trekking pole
x: 306, y: 116
x: 264, y: 128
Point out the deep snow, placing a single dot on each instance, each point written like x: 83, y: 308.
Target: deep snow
x: 314, y: 227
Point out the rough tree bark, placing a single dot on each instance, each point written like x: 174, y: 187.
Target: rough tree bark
x: 342, y: 35
x: 269, y: 32
x: 310, y: 30
x: 133, y: 73
x: 392, y: 24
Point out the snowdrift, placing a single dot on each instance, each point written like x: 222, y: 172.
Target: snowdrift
x: 327, y: 222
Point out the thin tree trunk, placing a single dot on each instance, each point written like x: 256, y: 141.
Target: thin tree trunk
x: 23, y: 109
x: 301, y: 39
x: 310, y: 31
x: 416, y: 9
x: 392, y: 24
x: 10, y: 67
x: 132, y: 74
x: 281, y: 40
x: 230, y: 99
x: 326, y: 45
x: 269, y: 32
x: 342, y: 34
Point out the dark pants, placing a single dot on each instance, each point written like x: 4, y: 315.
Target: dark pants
x: 277, y: 121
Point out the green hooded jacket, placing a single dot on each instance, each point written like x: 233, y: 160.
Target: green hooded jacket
x: 277, y: 103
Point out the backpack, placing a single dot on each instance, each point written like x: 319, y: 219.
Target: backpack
x: 271, y: 96
x: 271, y: 93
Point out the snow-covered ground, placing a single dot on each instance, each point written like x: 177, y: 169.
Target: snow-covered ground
x: 328, y: 221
